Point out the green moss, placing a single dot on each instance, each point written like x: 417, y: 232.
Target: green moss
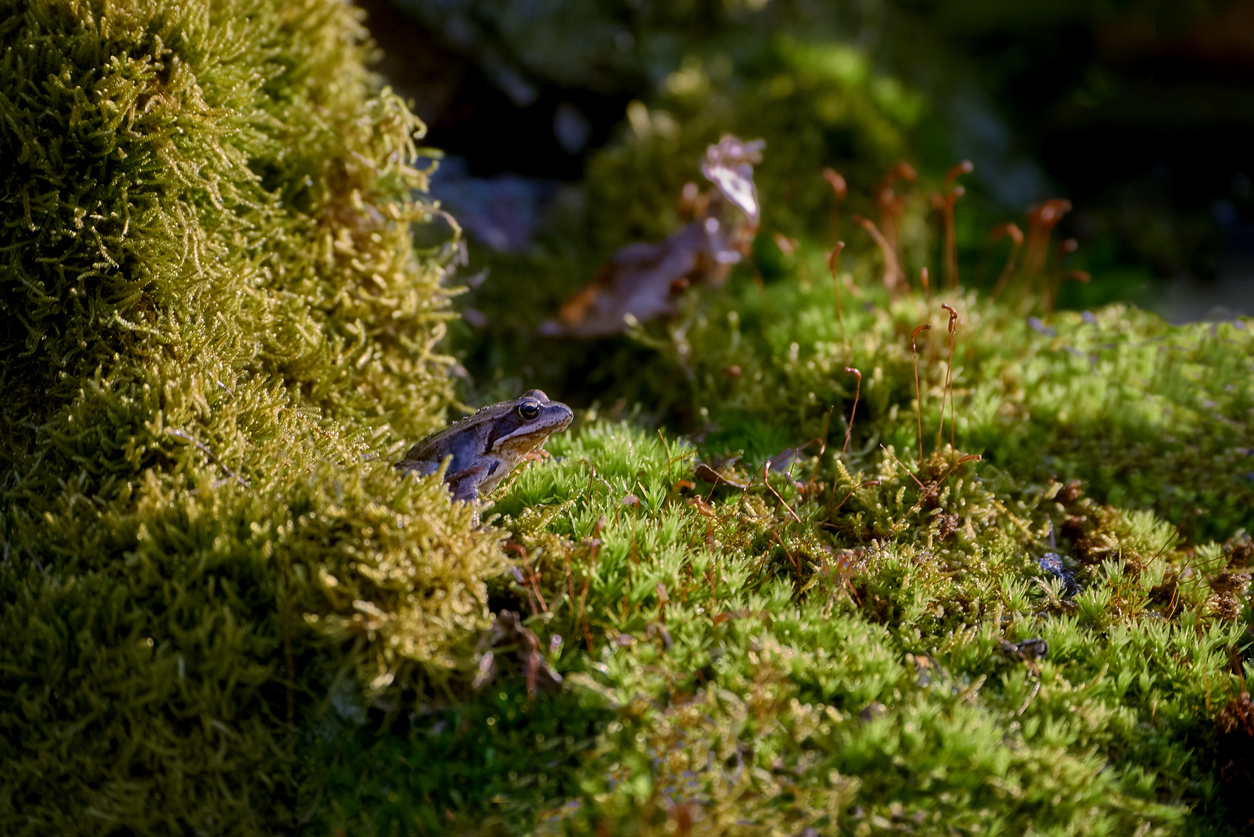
x: 1147, y: 415
x: 767, y: 671
x: 214, y: 331
x: 227, y: 613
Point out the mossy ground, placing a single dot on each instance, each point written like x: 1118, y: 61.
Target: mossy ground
x: 227, y: 613
x: 816, y: 651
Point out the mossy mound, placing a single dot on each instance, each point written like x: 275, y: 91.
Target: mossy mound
x: 1147, y: 415
x: 215, y: 329
x: 1038, y: 641
x: 783, y: 658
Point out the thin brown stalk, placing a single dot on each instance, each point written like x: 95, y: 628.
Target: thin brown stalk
x: 795, y: 564
x: 837, y: 183
x: 893, y: 205
x: 839, y: 191
x: 856, y: 392
x: 917, y: 481
x: 822, y: 449
x: 951, y: 240
x: 1016, y: 242
x: 918, y: 395
x: 581, y: 613
x: 949, y: 378
x: 533, y: 579
x: 852, y: 490
x: 765, y: 467
x: 970, y: 457
x: 892, y: 270
x: 831, y: 265
x: 1041, y: 221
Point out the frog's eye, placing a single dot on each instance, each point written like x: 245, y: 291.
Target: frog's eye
x: 529, y: 410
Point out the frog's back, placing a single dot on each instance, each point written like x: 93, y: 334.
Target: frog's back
x: 456, y: 440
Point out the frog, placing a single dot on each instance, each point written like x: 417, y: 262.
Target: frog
x: 483, y: 448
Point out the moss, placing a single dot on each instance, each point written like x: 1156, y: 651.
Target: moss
x: 1145, y: 414
x: 866, y: 678
x: 1037, y: 639
x: 741, y: 666
x: 214, y: 324
x: 887, y: 634
x: 229, y: 614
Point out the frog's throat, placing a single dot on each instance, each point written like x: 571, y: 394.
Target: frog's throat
x: 521, y: 441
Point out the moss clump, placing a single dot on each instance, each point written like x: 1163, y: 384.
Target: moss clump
x: 213, y: 324
x: 754, y: 662
x: 1147, y: 415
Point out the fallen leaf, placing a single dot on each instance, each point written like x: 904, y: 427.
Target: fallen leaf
x: 643, y: 281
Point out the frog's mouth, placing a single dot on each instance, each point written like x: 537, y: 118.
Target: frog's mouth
x: 520, y: 443
x: 526, y: 439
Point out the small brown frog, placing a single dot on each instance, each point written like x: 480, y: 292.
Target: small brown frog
x: 488, y: 445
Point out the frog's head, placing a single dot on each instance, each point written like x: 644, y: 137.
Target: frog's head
x: 526, y: 423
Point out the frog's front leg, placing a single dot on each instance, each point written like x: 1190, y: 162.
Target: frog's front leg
x: 465, y: 483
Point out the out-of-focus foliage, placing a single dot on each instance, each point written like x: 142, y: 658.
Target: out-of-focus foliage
x: 812, y: 106
x: 1137, y: 111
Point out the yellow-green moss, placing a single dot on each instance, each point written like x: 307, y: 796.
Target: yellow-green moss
x: 213, y: 330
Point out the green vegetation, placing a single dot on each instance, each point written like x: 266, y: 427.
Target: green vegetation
x: 829, y: 652
x: 1008, y: 593
x: 213, y: 325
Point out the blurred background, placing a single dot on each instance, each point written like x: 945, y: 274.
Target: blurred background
x: 569, y: 126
